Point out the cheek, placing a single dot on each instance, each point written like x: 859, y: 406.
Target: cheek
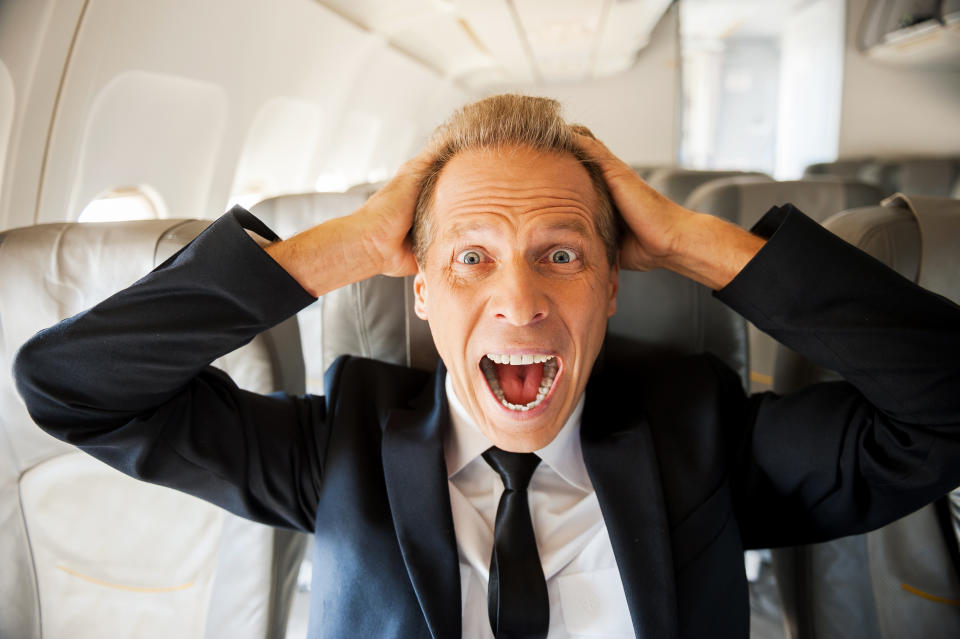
x: 586, y: 309
x: 451, y: 310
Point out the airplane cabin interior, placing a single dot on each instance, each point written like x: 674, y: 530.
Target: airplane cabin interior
x: 127, y: 126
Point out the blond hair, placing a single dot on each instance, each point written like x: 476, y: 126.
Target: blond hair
x: 503, y: 121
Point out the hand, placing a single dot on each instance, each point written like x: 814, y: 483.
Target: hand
x: 385, y: 219
x: 653, y: 222
x: 663, y: 234
x: 370, y: 241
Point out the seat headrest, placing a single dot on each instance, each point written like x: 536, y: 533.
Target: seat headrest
x: 932, y: 177
x: 668, y: 313
x: 677, y: 184
x: 53, y: 271
x: 290, y: 214
x: 840, y: 168
x: 746, y: 202
x: 365, y: 189
x: 915, y: 235
x: 646, y: 170
x: 372, y: 318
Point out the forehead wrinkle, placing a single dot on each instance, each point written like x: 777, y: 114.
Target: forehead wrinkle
x: 574, y: 224
x: 507, y: 194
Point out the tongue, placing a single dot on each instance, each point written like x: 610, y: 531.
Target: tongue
x: 520, y: 384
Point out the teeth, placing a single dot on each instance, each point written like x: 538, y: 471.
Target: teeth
x: 518, y: 360
x: 550, y: 368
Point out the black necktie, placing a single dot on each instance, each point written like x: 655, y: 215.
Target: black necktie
x: 517, y: 592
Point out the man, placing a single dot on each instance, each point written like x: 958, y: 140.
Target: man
x: 651, y: 477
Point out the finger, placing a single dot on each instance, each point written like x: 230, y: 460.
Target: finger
x: 598, y: 152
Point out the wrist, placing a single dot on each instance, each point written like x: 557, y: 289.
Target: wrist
x: 327, y: 256
x: 710, y: 250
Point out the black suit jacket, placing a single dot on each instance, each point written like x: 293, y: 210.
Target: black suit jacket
x: 688, y: 471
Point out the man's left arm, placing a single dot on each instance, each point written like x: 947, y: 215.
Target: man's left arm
x: 831, y: 459
x: 845, y: 457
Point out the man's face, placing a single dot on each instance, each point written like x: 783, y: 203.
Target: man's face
x: 517, y: 289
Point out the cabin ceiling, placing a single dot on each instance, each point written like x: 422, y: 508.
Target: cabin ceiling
x: 478, y: 43
x: 716, y: 20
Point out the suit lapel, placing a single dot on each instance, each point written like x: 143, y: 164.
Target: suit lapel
x: 619, y: 454
x: 416, y: 479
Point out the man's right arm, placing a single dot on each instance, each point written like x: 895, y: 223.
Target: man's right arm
x: 129, y: 380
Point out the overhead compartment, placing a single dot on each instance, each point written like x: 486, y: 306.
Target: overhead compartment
x: 914, y: 33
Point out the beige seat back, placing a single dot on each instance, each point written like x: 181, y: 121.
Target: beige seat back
x: 746, y: 202
x: 849, y: 168
x: 902, y: 580
x: 85, y: 550
x: 372, y: 318
x: 677, y: 184
x: 928, y: 177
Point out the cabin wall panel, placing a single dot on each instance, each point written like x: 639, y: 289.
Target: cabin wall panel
x: 401, y: 103
x: 253, y: 54
x: 136, y: 133
x: 635, y: 113
x: 889, y: 110
x: 8, y: 102
x: 35, y: 40
x: 279, y: 146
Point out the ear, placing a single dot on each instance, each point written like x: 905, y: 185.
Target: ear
x: 613, y: 286
x: 420, y: 296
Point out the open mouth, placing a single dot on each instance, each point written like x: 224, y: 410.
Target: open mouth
x: 520, y: 382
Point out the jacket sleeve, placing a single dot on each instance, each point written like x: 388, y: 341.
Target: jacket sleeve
x: 840, y: 458
x: 129, y: 382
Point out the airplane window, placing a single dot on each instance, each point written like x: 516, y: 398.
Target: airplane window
x: 121, y: 204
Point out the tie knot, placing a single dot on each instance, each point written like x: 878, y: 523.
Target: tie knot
x: 515, y: 469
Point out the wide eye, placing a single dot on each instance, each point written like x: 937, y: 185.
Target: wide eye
x: 562, y: 256
x: 470, y: 257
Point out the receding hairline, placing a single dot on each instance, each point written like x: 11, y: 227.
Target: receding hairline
x: 511, y: 149
x: 504, y: 122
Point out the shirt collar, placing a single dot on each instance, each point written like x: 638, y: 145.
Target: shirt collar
x: 464, y: 443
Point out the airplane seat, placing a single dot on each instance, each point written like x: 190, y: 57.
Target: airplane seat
x: 646, y: 170
x: 365, y: 188
x: 139, y: 560
x: 902, y: 580
x: 850, y: 169
x: 745, y: 202
x: 677, y: 184
x: 933, y: 176
x: 375, y: 317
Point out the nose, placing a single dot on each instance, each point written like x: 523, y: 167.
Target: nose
x: 519, y: 298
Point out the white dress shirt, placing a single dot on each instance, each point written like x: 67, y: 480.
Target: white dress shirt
x: 583, y: 584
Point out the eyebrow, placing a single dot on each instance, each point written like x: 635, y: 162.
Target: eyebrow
x: 461, y: 228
